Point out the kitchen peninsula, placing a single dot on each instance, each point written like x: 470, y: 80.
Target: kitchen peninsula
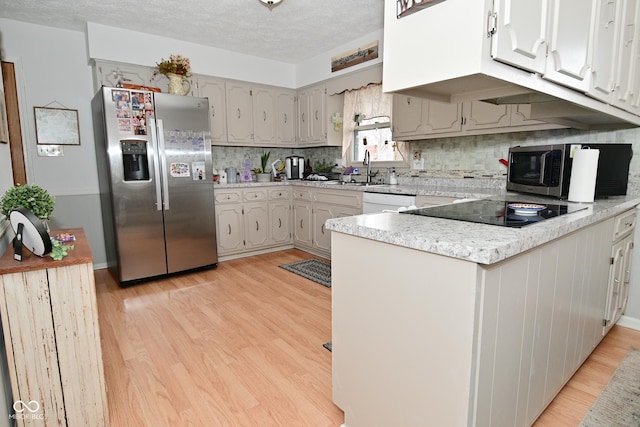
x: 443, y: 322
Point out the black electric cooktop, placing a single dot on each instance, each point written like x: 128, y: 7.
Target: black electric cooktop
x: 504, y: 213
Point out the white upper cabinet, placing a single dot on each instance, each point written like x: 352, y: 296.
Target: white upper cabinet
x: 570, y: 41
x: 239, y: 113
x: 522, y: 26
x: 564, y: 55
x: 442, y: 117
x: 312, y: 128
x: 286, y: 117
x: 264, y: 119
x: 627, y: 71
x: 114, y: 74
x: 482, y: 115
x: 605, y: 37
x: 407, y: 115
x: 214, y: 90
x: 550, y: 37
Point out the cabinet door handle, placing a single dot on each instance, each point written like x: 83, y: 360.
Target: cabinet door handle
x: 264, y: 116
x: 301, y: 223
x: 213, y: 111
x: 316, y: 114
x: 257, y: 226
x: 238, y: 113
x: 322, y: 228
x: 408, y: 101
x: 302, y: 117
x: 229, y: 228
x: 285, y: 117
x: 279, y: 222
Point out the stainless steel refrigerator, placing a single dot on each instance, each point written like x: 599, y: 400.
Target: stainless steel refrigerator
x: 153, y: 155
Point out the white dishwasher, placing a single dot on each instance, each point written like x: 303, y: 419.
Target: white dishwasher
x: 378, y: 202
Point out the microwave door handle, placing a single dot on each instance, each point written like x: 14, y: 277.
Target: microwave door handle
x: 156, y: 162
x: 543, y: 167
x: 163, y: 158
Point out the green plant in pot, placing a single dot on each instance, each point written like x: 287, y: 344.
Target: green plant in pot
x: 32, y: 197
x: 263, y: 174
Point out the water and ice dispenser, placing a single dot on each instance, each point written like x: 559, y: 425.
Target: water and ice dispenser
x: 134, y: 160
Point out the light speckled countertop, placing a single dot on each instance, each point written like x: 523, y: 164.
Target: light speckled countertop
x: 481, y: 243
x: 459, y: 189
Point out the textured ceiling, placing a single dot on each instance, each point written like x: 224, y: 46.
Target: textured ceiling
x: 292, y: 32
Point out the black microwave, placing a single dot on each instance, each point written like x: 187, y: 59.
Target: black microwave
x: 546, y: 169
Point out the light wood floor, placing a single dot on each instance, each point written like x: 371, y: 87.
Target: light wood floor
x: 241, y: 345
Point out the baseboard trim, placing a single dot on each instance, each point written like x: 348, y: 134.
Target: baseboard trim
x: 252, y: 253
x: 629, y: 322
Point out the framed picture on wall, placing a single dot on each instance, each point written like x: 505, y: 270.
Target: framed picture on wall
x: 58, y: 126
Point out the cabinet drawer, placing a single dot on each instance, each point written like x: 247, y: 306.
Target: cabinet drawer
x: 344, y: 198
x: 279, y: 194
x: 255, y: 195
x: 301, y: 194
x: 624, y: 224
x: 228, y: 196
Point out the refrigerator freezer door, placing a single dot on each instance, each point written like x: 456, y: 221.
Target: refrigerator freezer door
x: 183, y: 127
x: 137, y: 223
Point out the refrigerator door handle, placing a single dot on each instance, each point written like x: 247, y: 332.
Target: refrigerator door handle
x: 163, y: 158
x: 156, y: 163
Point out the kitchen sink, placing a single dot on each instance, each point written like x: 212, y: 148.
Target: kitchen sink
x: 351, y: 184
x: 360, y: 184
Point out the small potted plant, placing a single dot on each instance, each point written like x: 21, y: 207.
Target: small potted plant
x: 32, y: 197
x: 263, y: 174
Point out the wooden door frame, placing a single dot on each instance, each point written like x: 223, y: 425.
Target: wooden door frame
x: 13, y: 119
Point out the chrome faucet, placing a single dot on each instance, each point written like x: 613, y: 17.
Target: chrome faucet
x: 367, y: 163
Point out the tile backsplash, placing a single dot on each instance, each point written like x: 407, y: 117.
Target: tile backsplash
x: 479, y: 155
x: 224, y: 157
x: 457, y: 157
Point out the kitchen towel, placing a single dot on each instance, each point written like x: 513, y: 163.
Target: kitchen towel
x: 582, y: 185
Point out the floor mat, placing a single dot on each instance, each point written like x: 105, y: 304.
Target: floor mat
x: 313, y: 269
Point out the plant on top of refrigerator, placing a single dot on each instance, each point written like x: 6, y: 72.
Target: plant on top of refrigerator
x: 176, y: 64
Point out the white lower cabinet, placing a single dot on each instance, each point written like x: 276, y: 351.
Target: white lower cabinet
x: 312, y: 207
x: 256, y: 225
x: 621, y: 255
x: 229, y: 225
x: 302, y: 217
x: 518, y: 331
x: 250, y: 219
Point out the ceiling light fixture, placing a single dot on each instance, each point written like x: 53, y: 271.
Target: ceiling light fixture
x: 271, y: 3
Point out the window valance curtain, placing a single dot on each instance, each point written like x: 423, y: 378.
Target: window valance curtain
x: 368, y: 102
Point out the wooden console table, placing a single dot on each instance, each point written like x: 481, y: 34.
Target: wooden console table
x: 52, y: 338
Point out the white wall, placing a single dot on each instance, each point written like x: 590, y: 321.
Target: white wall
x: 318, y: 68
x: 114, y: 44
x: 52, y: 69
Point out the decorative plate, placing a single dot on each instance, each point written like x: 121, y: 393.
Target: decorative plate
x: 526, y: 208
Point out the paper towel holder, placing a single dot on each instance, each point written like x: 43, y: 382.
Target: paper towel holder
x: 546, y: 169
